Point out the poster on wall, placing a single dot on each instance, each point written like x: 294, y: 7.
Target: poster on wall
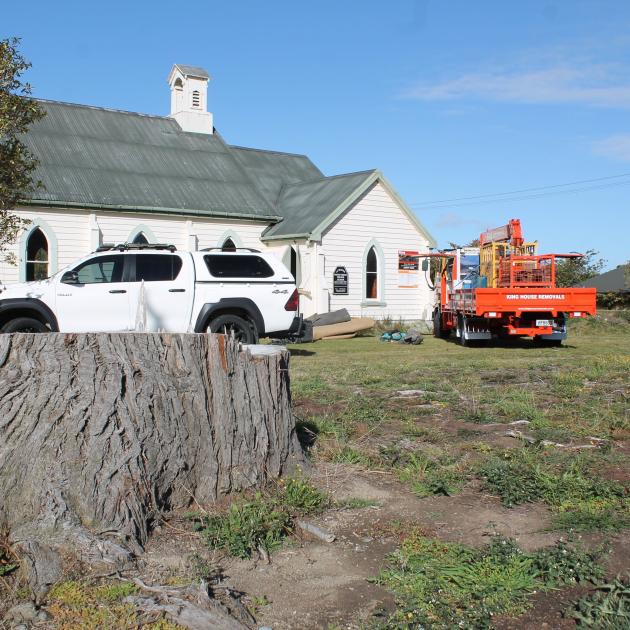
x: 340, y: 281
x: 408, y: 269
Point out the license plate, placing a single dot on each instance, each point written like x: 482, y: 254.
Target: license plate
x: 544, y: 322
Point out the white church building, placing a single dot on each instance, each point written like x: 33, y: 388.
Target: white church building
x: 113, y: 176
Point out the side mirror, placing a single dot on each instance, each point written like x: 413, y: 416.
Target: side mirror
x: 70, y: 277
x: 425, y: 264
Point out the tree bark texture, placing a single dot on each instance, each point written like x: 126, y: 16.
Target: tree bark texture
x: 100, y: 433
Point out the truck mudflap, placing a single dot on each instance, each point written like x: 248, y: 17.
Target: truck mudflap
x: 300, y: 331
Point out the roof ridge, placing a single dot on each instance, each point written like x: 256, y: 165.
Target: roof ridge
x: 274, y: 151
x: 104, y: 109
x: 370, y: 171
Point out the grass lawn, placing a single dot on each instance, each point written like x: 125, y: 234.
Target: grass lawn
x: 523, y: 424
x: 471, y: 487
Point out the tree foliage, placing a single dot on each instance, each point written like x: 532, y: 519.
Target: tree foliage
x: 17, y: 113
x: 572, y: 271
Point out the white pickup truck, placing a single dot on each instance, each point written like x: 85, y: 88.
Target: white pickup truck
x: 157, y: 288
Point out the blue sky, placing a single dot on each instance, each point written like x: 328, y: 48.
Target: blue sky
x: 450, y: 99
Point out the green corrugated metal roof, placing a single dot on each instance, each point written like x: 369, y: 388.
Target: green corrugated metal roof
x: 91, y: 157
x: 103, y: 158
x: 193, y: 71
x: 271, y: 170
x: 307, y: 205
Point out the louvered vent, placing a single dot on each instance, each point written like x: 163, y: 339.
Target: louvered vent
x: 196, y: 99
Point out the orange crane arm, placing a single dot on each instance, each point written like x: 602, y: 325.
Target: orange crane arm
x: 511, y: 232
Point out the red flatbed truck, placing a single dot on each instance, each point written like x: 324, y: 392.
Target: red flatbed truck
x: 504, y: 289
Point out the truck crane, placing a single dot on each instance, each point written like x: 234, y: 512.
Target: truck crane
x: 503, y: 288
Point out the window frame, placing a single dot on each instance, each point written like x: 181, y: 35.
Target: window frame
x: 51, y: 238
x: 374, y: 245
x: 266, y: 277
x: 93, y: 259
x: 372, y: 276
x: 133, y: 266
x: 27, y: 259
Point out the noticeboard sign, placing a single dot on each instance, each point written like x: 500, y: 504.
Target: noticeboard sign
x: 408, y: 269
x: 340, y: 281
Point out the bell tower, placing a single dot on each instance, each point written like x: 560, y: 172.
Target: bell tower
x: 189, y: 98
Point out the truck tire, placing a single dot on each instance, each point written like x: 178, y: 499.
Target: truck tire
x: 228, y: 324
x: 438, y: 331
x: 24, y: 325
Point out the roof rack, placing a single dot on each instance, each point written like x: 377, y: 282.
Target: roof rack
x: 231, y: 249
x: 122, y: 247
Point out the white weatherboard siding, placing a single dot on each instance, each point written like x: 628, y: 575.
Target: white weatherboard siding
x: 70, y: 231
x: 70, y: 234
x: 116, y: 227
x: 376, y: 218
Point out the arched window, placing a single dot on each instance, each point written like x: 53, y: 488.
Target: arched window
x: 371, y: 275
x: 37, y: 259
x: 140, y: 239
x: 228, y: 245
x: 178, y: 84
x: 196, y: 98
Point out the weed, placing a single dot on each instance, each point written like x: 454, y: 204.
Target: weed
x: 608, y: 608
x: 429, y: 475
x: 258, y: 602
x: 439, y: 481
x: 581, y: 502
x: 564, y: 564
x: 446, y: 585
x: 301, y: 496
x: 350, y: 455
x: 247, y: 527
x: 587, y: 519
x: 514, y: 481
x: 479, y: 417
x: 7, y: 567
x: 113, y: 592
x: 82, y: 605
x: 260, y: 523
x: 427, y: 434
x: 200, y: 569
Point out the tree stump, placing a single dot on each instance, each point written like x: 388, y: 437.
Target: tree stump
x: 101, y: 433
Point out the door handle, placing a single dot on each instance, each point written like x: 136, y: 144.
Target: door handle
x: 117, y: 291
x: 177, y: 290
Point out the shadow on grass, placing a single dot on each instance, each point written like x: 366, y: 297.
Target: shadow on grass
x: 510, y: 343
x: 298, y: 352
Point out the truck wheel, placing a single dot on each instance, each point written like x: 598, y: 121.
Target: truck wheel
x: 24, y: 325
x: 243, y: 331
x: 438, y: 331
